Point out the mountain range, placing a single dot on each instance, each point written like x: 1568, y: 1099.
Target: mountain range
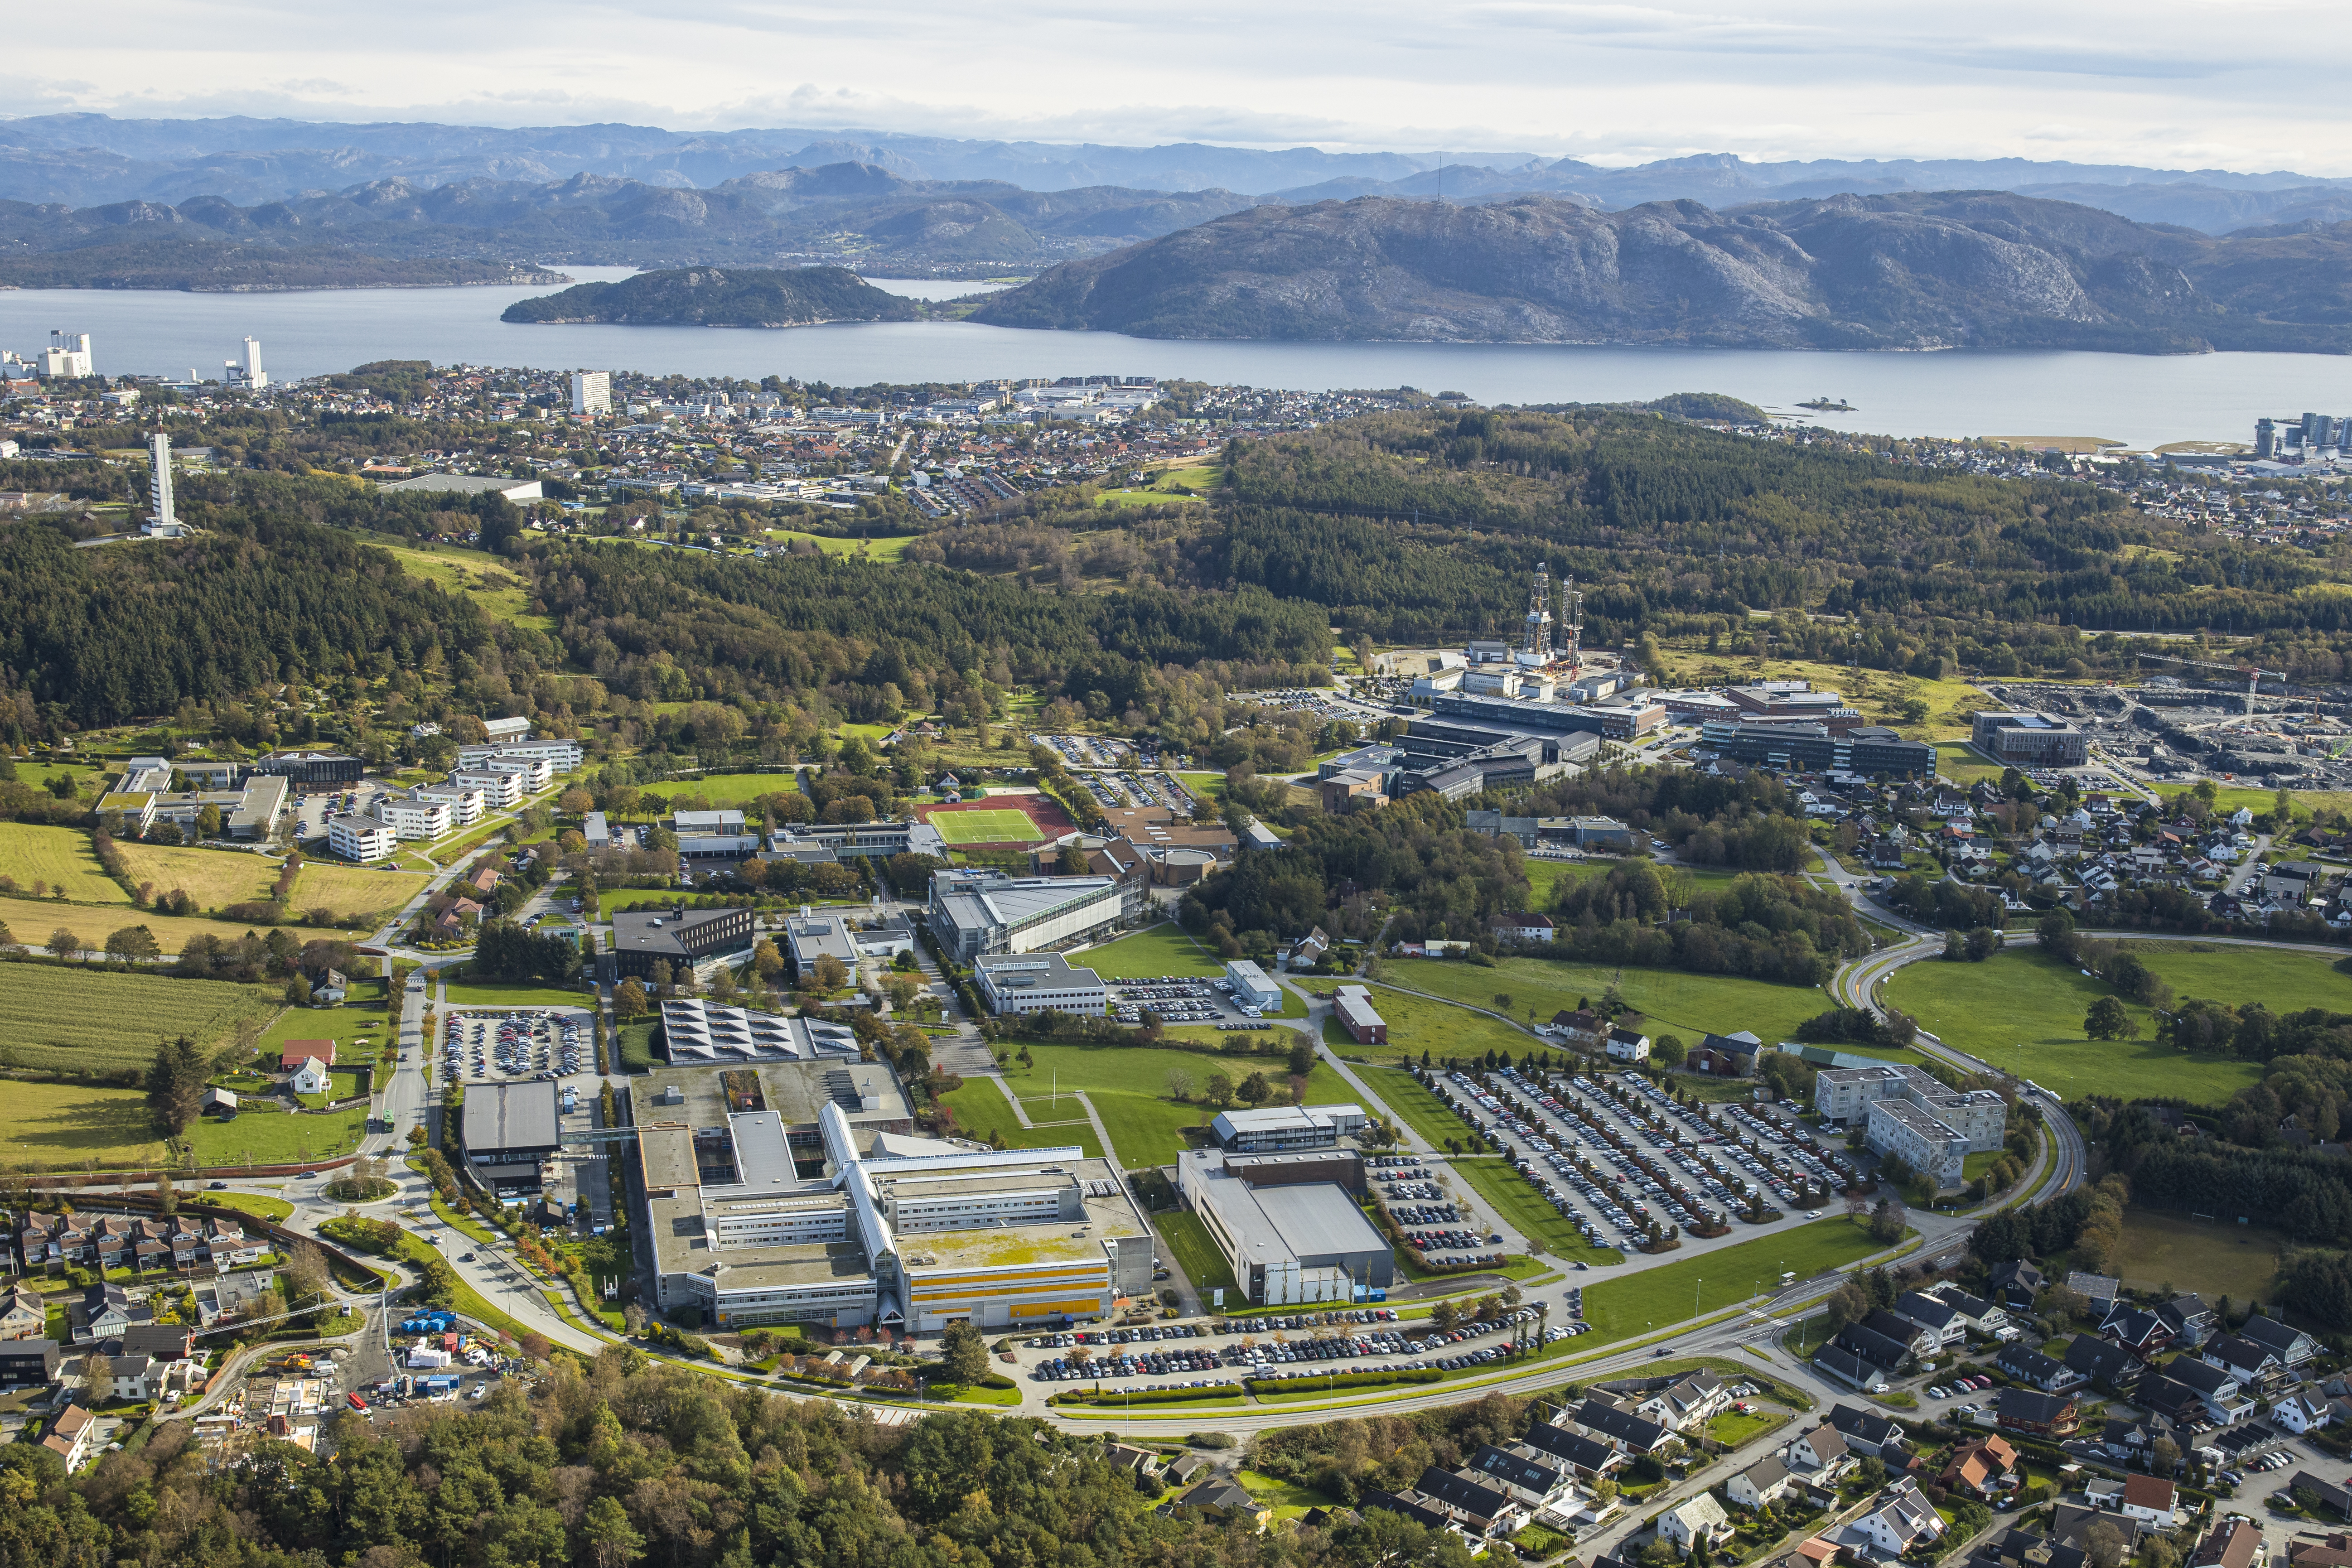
x: 95, y: 160
x: 1978, y: 269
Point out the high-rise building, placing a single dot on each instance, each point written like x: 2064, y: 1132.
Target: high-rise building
x: 249, y: 375
x: 2265, y: 440
x: 161, y: 520
x: 67, y: 357
x: 2310, y: 430
x: 592, y: 392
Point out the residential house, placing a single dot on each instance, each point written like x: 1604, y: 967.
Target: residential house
x: 311, y: 1077
x: 1866, y: 1432
x: 2302, y: 1410
x: 2160, y: 1394
x: 1218, y: 1501
x: 1537, y: 1480
x: 2015, y: 1285
x: 2223, y: 1396
x: 1522, y: 927
x: 2253, y: 1365
x: 130, y: 1376
x: 2326, y: 1496
x: 1588, y: 1456
x: 1694, y: 1520
x: 69, y: 1436
x: 29, y: 1361
x: 1917, y: 1340
x: 1726, y: 1055
x: 1978, y: 1315
x: 2152, y: 1500
x: 2192, y: 1322
x: 1688, y: 1403
x: 1978, y: 1467
x: 24, y: 1315
x: 2099, y: 1289
x: 1582, y: 1026
x: 1900, y: 1519
x: 2292, y: 1347
x: 1484, y: 1506
x: 2109, y: 1367
x: 1619, y: 1427
x: 294, y: 1053
x: 2036, y: 1414
x: 1936, y: 1315
x: 2134, y: 1442
x: 2238, y: 1543
x: 104, y: 1312
x: 1890, y: 1355
x: 2143, y: 1333
x: 1628, y: 1046
x: 1852, y: 1367
x: 2031, y: 1367
x: 1822, y: 1457
x: 1766, y: 1481
x: 2333, y: 1549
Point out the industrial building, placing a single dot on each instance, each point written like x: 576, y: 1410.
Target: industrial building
x: 708, y: 836
x: 1038, y: 983
x: 1288, y: 1224
x: 1283, y: 1128
x: 1867, y: 749
x: 510, y: 1129
x: 1251, y: 986
x: 1624, y: 719
x: 981, y: 912
x: 796, y: 1194
x: 1353, y: 1006
x: 2026, y: 740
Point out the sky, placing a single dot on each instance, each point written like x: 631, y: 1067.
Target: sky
x: 2246, y: 85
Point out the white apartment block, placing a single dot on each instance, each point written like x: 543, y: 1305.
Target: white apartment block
x: 415, y: 815
x: 466, y: 802
x: 499, y: 790
x: 1909, y: 1112
x: 360, y: 837
x: 564, y: 756
x: 536, y: 772
x: 592, y: 392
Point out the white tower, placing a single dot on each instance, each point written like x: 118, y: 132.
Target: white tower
x: 1572, y: 625
x: 592, y: 392
x: 159, y: 452
x: 255, y: 377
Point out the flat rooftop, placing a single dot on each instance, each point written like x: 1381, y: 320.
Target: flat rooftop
x: 794, y: 1090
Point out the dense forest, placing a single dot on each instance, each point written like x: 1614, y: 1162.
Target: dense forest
x: 621, y: 1462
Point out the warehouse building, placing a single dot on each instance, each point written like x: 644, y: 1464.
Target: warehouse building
x: 1353, y: 1006
x: 511, y: 1130
x: 976, y: 912
x: 1288, y: 1225
x: 1284, y: 1127
x: 776, y: 1194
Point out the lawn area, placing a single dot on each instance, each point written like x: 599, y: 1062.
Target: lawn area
x: 1525, y: 1210
x: 982, y: 1111
x: 65, y: 1124
x: 1628, y: 1304
x: 1418, y: 1024
x: 211, y: 877
x: 1196, y: 1256
x: 1731, y: 1428
x: 1545, y: 874
x: 57, y: 857
x: 1963, y: 763
x: 1285, y: 1500
x: 476, y: 574
x: 728, y: 790
x: 873, y: 548
x: 1129, y: 1089
x: 277, y: 1137
x: 1414, y: 1106
x: 2022, y: 1012
x: 449, y: 851
x: 350, y: 890
x: 508, y: 994
x: 2214, y: 1258
x: 33, y: 922
x: 1672, y: 1001
x: 63, y: 1019
x: 2282, y: 982
x: 254, y: 1204
x: 1165, y: 949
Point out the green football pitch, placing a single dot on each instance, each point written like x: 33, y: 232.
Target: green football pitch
x: 1004, y: 826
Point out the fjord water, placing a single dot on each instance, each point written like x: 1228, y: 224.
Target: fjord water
x: 2137, y: 399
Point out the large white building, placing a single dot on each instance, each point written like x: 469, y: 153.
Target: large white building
x: 499, y: 790
x: 466, y: 802
x: 360, y: 837
x: 1288, y: 1225
x: 557, y: 755
x: 592, y: 392
x: 67, y: 357
x: 1910, y: 1113
x: 1039, y: 982
x: 415, y: 816
x: 249, y: 375
x: 976, y: 912
x: 806, y: 1211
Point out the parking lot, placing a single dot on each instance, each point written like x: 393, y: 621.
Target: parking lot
x: 1182, y: 999
x: 1120, y: 790
x: 487, y: 1047
x: 1349, y: 1339
x: 1086, y: 751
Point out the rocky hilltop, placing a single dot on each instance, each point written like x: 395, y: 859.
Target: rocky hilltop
x: 1952, y: 270
x: 712, y: 296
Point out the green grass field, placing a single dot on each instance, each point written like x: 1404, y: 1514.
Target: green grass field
x: 1196, y: 1254
x: 1418, y: 1024
x: 477, y: 575
x: 347, y: 1026
x: 873, y: 548
x: 982, y: 1111
x: 1165, y: 949
x: 211, y: 877
x: 1630, y: 1304
x: 1130, y: 1090
x: 71, y: 1020
x: 501, y: 993
x: 2214, y: 1258
x: 348, y: 889
x: 996, y: 825
x: 1544, y: 875
x: 270, y: 1138
x: 1672, y: 1001
x: 726, y: 790
x: 1414, y: 1106
x: 66, y: 1124
x: 1963, y: 763
x: 2282, y: 982
x: 2023, y: 1012
x: 253, y: 1203
x: 57, y: 857
x: 1524, y: 1209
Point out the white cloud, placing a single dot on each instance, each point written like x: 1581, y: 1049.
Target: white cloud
x: 2166, y: 82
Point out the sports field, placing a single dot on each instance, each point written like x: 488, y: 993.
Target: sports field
x: 2215, y: 1257
x: 986, y: 826
x: 57, y: 857
x: 211, y: 877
